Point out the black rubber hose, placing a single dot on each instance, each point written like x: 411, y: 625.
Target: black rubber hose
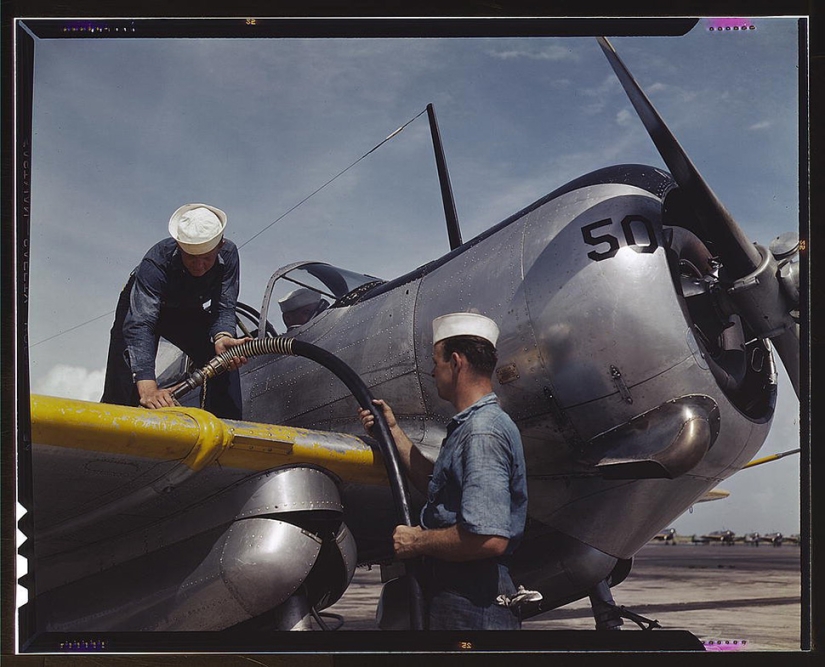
x: 220, y: 363
x: 353, y: 382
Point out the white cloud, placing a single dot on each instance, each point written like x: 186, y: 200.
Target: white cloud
x: 75, y: 382
x: 624, y: 117
x: 601, y: 93
x: 608, y: 85
x: 763, y: 125
x: 548, y: 53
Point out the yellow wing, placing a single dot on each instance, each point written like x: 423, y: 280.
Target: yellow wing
x: 197, y: 439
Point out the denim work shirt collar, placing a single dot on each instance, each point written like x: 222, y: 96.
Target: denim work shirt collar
x: 465, y: 414
x: 176, y: 260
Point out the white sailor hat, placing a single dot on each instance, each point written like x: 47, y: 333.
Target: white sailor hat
x: 464, y: 324
x: 198, y: 228
x: 298, y: 298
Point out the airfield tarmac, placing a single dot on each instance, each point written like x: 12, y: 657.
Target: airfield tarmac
x: 738, y: 597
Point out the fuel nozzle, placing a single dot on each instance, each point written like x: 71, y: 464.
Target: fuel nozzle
x: 215, y: 367
x: 220, y: 363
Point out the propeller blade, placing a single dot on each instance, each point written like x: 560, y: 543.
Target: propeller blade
x: 740, y: 257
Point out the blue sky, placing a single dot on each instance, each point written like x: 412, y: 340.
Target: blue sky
x: 125, y: 131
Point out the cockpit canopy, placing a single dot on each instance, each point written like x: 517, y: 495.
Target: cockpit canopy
x: 337, y: 287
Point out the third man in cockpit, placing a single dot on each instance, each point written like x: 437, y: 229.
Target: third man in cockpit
x: 300, y: 306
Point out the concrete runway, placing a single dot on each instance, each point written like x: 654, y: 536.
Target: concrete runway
x: 738, y: 597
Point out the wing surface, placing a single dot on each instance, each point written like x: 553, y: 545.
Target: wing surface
x: 94, y: 460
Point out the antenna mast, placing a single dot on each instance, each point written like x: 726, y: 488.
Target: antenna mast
x: 453, y: 230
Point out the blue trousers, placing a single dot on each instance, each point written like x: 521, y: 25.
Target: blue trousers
x: 468, y: 602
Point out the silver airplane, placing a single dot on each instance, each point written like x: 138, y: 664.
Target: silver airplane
x: 726, y: 537
x: 636, y: 355
x: 775, y: 539
x: 749, y: 538
x: 667, y: 536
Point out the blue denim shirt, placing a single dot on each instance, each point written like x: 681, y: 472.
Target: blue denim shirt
x: 479, y: 479
x: 162, y: 281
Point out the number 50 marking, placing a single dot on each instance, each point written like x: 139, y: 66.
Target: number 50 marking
x: 613, y: 243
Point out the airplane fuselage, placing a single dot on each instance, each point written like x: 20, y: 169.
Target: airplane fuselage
x: 623, y: 420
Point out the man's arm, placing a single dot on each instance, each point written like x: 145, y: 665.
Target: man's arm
x: 419, y: 469
x: 223, y: 328
x: 139, y: 325
x: 227, y: 300
x: 453, y: 543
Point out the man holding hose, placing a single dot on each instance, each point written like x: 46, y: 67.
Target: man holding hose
x: 185, y: 289
x: 476, y: 491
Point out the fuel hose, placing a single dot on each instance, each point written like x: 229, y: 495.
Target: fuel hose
x: 381, y: 431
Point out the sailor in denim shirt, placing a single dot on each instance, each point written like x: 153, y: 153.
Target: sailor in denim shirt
x: 165, y: 296
x: 477, y: 493
x: 478, y: 480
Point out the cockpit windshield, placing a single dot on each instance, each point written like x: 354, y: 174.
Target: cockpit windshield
x: 301, y: 291
x: 327, y: 280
